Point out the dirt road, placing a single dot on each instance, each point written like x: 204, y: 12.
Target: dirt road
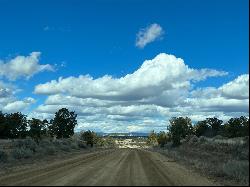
x: 110, y: 167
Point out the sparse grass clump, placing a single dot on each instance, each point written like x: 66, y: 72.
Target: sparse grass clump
x: 237, y: 169
x: 24, y: 148
x: 81, y: 144
x: 74, y: 145
x: 65, y: 148
x: 219, y: 157
x: 50, y: 150
x: 28, y: 148
x: 20, y: 153
x: 26, y: 144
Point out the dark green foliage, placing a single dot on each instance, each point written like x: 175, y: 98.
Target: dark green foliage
x: 215, y: 124
x: 37, y: 129
x: 19, y: 121
x: 45, y: 128
x: 4, y: 129
x: 245, y: 126
x: 201, y: 128
x: 13, y: 125
x: 63, y: 124
x: 237, y: 127
x: 179, y: 128
x: 89, y: 136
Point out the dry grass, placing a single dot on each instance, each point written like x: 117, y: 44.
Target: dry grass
x: 27, y: 148
x: 237, y: 169
x: 224, y: 159
x: 16, y: 149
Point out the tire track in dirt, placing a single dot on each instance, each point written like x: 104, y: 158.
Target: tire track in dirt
x: 31, y: 177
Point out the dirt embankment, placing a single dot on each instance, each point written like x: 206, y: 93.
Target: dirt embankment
x: 110, y: 167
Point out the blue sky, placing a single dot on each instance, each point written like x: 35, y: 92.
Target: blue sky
x: 98, y: 38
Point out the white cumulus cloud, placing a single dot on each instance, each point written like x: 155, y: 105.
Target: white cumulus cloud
x: 144, y: 100
x: 23, y: 66
x: 237, y: 89
x: 165, y: 73
x: 230, y: 97
x: 148, y: 35
x: 17, y: 106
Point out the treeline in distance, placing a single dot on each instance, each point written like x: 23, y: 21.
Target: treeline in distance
x: 16, y: 126
x: 181, y: 127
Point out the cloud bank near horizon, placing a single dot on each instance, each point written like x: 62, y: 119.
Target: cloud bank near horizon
x: 159, y: 89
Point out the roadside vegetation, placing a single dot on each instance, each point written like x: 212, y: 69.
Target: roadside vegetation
x: 211, y: 147
x: 218, y: 149
x: 22, y: 138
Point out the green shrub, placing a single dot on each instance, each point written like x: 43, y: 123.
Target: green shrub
x: 40, y: 151
x: 162, y: 138
x: 50, y: 150
x: 26, y: 143
x: 57, y: 143
x: 45, y: 143
x: 237, y: 169
x: 179, y: 128
x: 152, y: 139
x: 237, y: 127
x: 89, y: 136
x: 202, y: 139
x: 193, y: 139
x: 201, y: 128
x: 81, y: 144
x: 65, y: 148
x: 3, y: 156
x: 66, y: 142
x: 30, y: 144
x: 219, y: 137
x: 74, y: 145
x: 20, y: 153
x: 17, y: 143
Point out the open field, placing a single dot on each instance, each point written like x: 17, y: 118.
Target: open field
x: 109, y: 167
